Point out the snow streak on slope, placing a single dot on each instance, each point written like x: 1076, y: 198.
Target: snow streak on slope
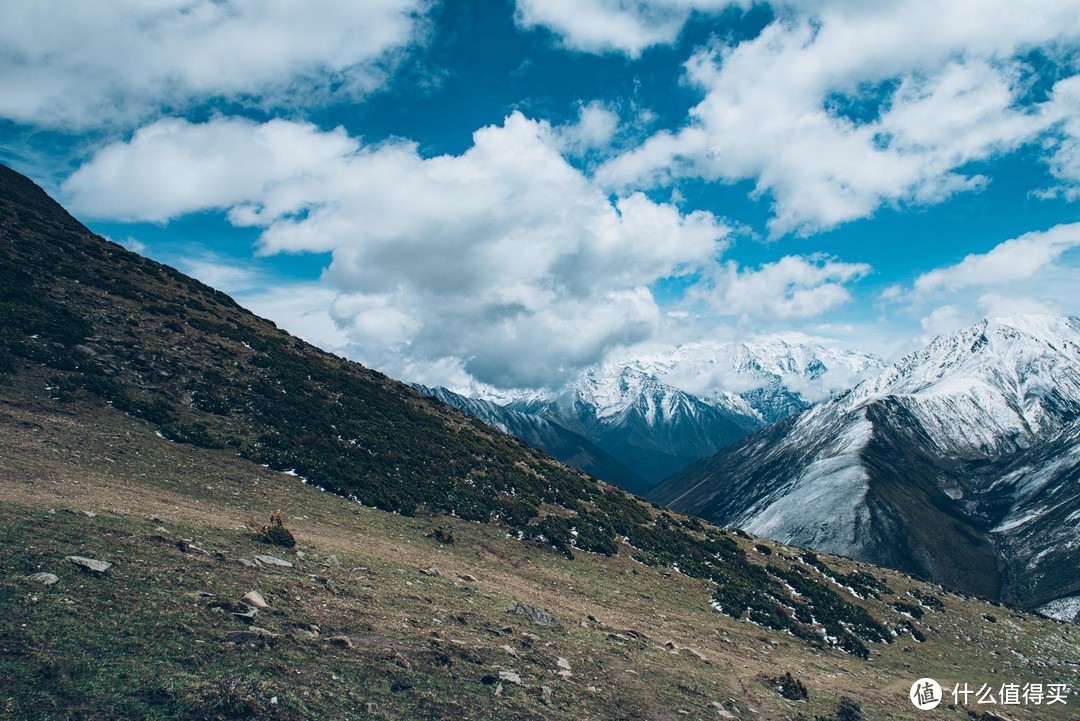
x: 826, y: 506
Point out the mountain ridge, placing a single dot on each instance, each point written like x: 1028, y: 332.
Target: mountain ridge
x: 901, y: 470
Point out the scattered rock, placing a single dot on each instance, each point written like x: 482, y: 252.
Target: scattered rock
x: 248, y: 615
x: 509, y: 650
x: 89, y: 514
x: 468, y: 578
x: 697, y: 654
x: 305, y: 633
x: 251, y: 634
x: 340, y: 641
x: 510, y: 677
x: 246, y: 561
x: 272, y: 561
x: 431, y: 571
x: 547, y: 692
x: 720, y: 709
x: 563, y: 663
x: 670, y: 646
x: 186, y: 546
x: 46, y: 579
x: 534, y: 614
x: 90, y: 564
x: 254, y: 598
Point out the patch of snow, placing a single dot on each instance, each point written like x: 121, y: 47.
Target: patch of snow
x: 1063, y: 609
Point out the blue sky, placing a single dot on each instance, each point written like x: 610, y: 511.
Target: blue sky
x: 505, y: 192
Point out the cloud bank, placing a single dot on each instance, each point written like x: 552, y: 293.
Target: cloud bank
x: 505, y: 259
x: 76, y: 65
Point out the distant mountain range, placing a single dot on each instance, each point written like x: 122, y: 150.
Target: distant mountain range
x: 658, y: 414
x: 552, y: 438
x: 960, y: 462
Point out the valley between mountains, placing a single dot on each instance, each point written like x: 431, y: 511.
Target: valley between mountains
x: 444, y: 569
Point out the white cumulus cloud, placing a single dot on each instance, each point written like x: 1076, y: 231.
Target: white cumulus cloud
x: 1018, y: 259
x: 623, y: 26
x: 837, y: 108
x: 792, y: 287
x: 75, y: 64
x: 505, y: 258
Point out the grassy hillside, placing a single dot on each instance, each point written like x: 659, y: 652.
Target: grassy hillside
x: 145, y: 416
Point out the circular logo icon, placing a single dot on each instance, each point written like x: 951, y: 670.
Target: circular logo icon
x: 925, y: 694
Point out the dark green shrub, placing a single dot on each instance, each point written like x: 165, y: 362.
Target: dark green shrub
x: 790, y: 687
x: 273, y: 532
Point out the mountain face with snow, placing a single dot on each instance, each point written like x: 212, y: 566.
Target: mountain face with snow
x: 659, y: 412
x: 652, y: 427
x: 553, y: 439
x: 958, y: 463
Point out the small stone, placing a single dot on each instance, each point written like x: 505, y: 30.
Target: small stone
x: 510, y: 677
x: 509, y: 650
x: 305, y: 633
x: 697, y: 654
x: 90, y: 564
x: 273, y: 561
x: 89, y: 514
x: 252, y: 634
x: 719, y: 708
x: 247, y: 616
x: 563, y: 663
x: 468, y: 578
x: 564, y: 673
x: 547, y: 691
x: 254, y: 598
x: 246, y: 561
x: 431, y: 571
x: 340, y: 641
x: 46, y: 579
x: 670, y: 646
x: 534, y: 614
x: 186, y: 546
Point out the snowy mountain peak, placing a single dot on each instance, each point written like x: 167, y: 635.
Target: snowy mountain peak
x: 991, y: 386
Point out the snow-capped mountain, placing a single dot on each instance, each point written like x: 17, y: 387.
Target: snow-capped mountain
x: 957, y: 463
x: 776, y: 375
x: 654, y: 428
x: 660, y: 411
x: 553, y: 439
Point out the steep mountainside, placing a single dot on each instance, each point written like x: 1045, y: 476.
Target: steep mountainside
x: 553, y: 439
x: 954, y: 463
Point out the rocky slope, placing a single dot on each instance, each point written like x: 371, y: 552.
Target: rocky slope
x: 934, y: 466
